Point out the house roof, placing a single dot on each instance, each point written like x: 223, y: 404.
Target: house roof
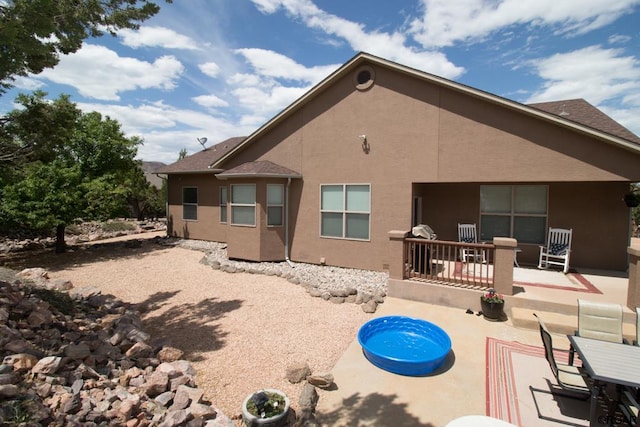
x: 202, y: 161
x: 259, y: 169
x: 580, y: 111
x: 363, y: 58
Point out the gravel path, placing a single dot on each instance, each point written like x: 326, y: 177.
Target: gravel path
x: 241, y: 331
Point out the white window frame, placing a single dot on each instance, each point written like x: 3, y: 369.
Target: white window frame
x: 241, y: 205
x: 512, y: 214
x: 271, y: 206
x: 344, y: 212
x: 224, y: 214
x: 189, y: 204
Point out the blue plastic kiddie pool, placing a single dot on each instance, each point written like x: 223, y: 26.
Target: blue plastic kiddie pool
x: 404, y: 345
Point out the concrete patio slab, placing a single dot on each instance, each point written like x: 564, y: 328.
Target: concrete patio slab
x: 369, y: 396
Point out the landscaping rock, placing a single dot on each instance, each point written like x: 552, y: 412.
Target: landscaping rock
x: 322, y: 380
x: 298, y: 372
x: 94, y: 366
x: 370, y: 307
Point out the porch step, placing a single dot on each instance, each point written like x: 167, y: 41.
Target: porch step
x: 558, y: 323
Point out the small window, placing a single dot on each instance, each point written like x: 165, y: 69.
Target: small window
x: 223, y: 205
x: 275, y: 205
x: 190, y: 203
x: 345, y: 211
x: 243, y: 204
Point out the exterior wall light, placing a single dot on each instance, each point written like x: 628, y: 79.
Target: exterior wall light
x: 365, y: 144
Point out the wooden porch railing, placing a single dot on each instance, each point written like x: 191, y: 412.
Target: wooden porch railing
x: 468, y: 264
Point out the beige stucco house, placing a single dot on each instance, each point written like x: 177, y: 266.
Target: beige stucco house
x: 378, y: 146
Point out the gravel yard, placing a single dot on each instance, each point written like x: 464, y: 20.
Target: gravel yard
x: 241, y: 331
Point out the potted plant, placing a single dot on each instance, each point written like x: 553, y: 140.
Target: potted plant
x: 268, y: 407
x: 492, y: 304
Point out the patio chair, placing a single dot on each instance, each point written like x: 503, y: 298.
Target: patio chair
x: 629, y: 407
x: 467, y: 234
x: 599, y: 321
x: 569, y: 378
x: 558, y: 249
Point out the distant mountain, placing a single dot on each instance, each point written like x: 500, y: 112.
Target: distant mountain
x: 149, y: 168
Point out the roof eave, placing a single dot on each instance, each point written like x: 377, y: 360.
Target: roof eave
x: 257, y: 175
x: 191, y: 172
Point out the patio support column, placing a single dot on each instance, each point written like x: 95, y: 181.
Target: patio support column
x: 633, y: 291
x: 396, y: 252
x: 503, y: 264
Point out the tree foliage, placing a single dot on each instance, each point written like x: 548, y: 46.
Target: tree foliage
x: 84, y: 173
x: 21, y: 131
x: 35, y: 33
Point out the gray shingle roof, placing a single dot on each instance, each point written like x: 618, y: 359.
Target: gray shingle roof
x: 262, y: 168
x: 200, y: 161
x: 580, y: 111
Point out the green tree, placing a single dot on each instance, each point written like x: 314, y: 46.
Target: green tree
x: 35, y: 33
x: 182, y: 154
x: 81, y: 176
x: 143, y: 198
x: 36, y: 128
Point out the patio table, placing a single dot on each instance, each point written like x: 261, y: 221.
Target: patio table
x: 607, y: 362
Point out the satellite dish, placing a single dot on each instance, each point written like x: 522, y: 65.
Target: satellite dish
x: 202, y: 141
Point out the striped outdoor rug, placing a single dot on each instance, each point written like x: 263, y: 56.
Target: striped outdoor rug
x: 513, y: 367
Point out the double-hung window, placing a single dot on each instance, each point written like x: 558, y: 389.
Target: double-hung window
x: 517, y: 211
x: 190, y: 203
x: 243, y: 204
x: 345, y: 211
x: 275, y: 205
x: 223, y: 205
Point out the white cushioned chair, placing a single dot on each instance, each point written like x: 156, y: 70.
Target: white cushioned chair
x: 599, y: 321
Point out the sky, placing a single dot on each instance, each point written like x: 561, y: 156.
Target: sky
x: 221, y: 68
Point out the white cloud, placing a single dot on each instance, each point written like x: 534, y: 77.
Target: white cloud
x: 210, y: 101
x: 272, y: 64
x: 390, y: 46
x: 100, y: 73
x: 27, y: 83
x: 618, y: 39
x: 447, y: 21
x: 156, y: 37
x: 166, y: 129
x: 244, y: 79
x: 211, y: 69
x: 592, y: 73
x: 267, y: 102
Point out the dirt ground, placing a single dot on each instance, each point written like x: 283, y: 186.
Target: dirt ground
x: 240, y: 331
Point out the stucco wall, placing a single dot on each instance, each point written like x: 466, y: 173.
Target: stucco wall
x: 207, y: 226
x: 419, y: 132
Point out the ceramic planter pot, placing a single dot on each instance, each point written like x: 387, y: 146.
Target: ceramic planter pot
x: 492, y: 310
x: 279, y: 420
